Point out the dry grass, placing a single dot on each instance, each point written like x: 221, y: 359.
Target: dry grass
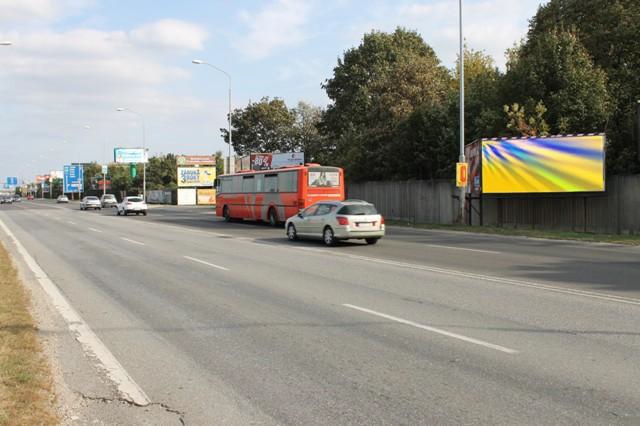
x: 26, y: 389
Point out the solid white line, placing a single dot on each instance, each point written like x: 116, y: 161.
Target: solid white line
x: 206, y: 263
x: 91, y: 343
x: 132, y: 241
x: 462, y: 248
x: 434, y: 330
x: 95, y: 230
x: 540, y: 286
x: 71, y: 223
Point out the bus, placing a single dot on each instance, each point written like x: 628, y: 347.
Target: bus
x: 277, y: 194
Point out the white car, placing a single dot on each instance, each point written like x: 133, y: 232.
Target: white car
x: 90, y: 202
x: 337, y: 220
x: 62, y: 199
x: 132, y: 205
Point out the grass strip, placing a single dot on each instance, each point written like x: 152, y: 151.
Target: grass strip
x: 26, y: 386
x: 631, y: 240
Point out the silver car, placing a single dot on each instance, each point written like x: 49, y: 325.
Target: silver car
x: 90, y: 202
x: 108, y: 200
x: 337, y: 220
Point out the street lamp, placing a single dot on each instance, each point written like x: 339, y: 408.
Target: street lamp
x: 144, y: 149
x: 5, y: 43
x: 462, y: 159
x: 201, y: 62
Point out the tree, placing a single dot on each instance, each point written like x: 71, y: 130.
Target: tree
x: 521, y: 125
x: 555, y: 69
x: 609, y: 32
x: 162, y: 172
x: 263, y: 126
x: 306, y: 135
x: 374, y: 87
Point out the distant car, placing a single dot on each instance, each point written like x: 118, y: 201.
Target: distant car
x: 17, y: 198
x: 60, y: 199
x: 90, y: 202
x: 30, y: 197
x: 333, y: 221
x: 132, y: 205
x: 108, y: 200
x: 6, y: 199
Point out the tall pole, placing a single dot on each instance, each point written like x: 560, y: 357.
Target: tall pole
x: 201, y: 62
x: 463, y: 189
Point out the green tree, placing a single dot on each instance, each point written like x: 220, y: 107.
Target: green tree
x: 162, y: 172
x: 609, y: 31
x: 522, y: 125
x: 263, y: 126
x: 374, y: 87
x: 306, y: 135
x: 555, y: 69
x: 220, y: 158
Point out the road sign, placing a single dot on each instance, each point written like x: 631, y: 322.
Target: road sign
x: 74, y: 178
x: 12, y: 181
x: 105, y: 169
x: 130, y: 155
x: 461, y: 174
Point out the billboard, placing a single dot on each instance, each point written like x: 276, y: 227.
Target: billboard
x: 268, y: 161
x: 196, y: 160
x: 206, y: 197
x: 196, y: 176
x: 12, y: 181
x: 73, y: 178
x: 130, y: 155
x: 543, y: 165
x: 287, y: 159
x: 472, y: 154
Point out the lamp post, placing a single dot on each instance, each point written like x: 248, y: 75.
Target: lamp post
x: 144, y: 150
x: 462, y: 157
x: 5, y: 43
x: 201, y: 62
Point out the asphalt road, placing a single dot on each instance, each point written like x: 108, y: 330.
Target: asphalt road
x: 231, y: 323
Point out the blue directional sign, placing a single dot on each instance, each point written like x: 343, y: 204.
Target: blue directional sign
x: 74, y: 178
x: 12, y: 181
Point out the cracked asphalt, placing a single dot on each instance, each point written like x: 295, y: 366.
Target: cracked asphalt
x: 231, y: 324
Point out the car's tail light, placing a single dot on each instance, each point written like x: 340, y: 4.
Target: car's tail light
x: 342, y: 220
x: 381, y: 220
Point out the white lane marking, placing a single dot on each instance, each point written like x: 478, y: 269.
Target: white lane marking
x: 540, y: 286
x: 91, y: 343
x: 434, y: 330
x: 95, y: 230
x: 133, y: 241
x: 206, y: 263
x: 70, y: 222
x: 462, y: 248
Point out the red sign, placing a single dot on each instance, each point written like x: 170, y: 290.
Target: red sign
x: 101, y: 184
x: 261, y: 161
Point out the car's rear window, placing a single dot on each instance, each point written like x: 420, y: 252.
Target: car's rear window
x: 92, y: 198
x: 358, y: 210
x: 109, y: 197
x: 134, y: 200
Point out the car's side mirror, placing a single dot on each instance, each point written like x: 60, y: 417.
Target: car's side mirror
x: 300, y: 215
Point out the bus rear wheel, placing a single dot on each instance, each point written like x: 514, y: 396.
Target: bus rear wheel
x: 226, y: 214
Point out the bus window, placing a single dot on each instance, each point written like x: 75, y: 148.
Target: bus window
x: 324, y: 177
x: 259, y: 183
x: 271, y: 183
x: 288, y: 182
x: 248, y: 184
x: 225, y: 185
x: 237, y: 184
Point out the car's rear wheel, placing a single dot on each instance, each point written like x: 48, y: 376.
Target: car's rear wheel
x: 126, y: 213
x: 144, y: 213
x: 226, y: 214
x: 273, y: 217
x: 328, y: 236
x: 292, y: 234
x: 118, y: 212
x: 371, y: 240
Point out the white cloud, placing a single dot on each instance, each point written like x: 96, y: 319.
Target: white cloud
x: 21, y: 11
x: 278, y: 25
x: 170, y: 34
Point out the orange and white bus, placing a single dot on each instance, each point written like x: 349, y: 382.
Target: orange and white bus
x: 275, y: 195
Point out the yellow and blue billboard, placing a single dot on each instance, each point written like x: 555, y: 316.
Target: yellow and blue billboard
x: 543, y: 165
x: 196, y: 176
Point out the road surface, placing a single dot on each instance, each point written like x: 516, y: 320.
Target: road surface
x: 229, y: 323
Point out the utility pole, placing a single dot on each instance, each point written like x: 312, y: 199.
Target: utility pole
x: 462, y: 159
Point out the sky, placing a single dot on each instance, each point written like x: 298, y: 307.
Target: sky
x: 72, y: 63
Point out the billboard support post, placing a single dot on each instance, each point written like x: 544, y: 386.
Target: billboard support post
x: 462, y: 159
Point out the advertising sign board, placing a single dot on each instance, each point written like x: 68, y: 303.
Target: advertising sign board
x: 206, y: 197
x: 196, y: 160
x: 287, y: 159
x: 462, y: 174
x: 544, y: 165
x: 12, y: 181
x: 73, y: 178
x: 196, y: 176
x: 472, y: 155
x: 130, y: 155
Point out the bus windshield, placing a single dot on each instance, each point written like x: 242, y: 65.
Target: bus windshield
x: 324, y: 177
